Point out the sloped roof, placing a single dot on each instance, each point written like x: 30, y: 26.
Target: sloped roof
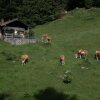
x: 13, y: 23
x: 9, y: 21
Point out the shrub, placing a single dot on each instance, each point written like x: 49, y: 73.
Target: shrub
x: 67, y: 78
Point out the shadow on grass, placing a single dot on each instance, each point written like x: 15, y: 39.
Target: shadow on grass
x: 5, y: 96
x: 51, y: 94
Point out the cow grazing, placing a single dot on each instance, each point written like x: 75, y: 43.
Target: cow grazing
x: 81, y: 54
x: 78, y: 54
x: 62, y: 59
x: 97, y: 55
x: 44, y: 38
x: 24, y: 59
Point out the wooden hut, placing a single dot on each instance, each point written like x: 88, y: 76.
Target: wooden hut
x: 13, y: 31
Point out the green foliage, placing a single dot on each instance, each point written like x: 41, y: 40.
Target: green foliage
x: 88, y: 3
x: 96, y: 3
x: 32, y: 12
x: 72, y: 4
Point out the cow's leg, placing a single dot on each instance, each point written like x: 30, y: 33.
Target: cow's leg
x: 23, y: 62
x: 63, y: 62
x: 97, y: 58
x: 76, y: 55
x: 26, y: 60
x: 80, y: 56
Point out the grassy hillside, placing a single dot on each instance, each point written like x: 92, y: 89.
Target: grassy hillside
x: 77, y: 29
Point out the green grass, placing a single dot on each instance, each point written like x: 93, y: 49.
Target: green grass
x: 77, y: 29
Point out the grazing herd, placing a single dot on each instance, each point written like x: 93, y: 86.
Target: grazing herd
x: 82, y: 53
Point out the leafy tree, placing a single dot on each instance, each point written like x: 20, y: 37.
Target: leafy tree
x: 35, y: 12
x: 88, y: 3
x: 96, y: 3
x: 72, y: 4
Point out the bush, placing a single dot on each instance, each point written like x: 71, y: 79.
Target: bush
x: 67, y: 78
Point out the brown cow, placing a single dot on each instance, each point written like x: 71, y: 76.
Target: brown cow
x: 81, y: 54
x: 24, y: 58
x: 97, y: 55
x: 44, y: 38
x: 62, y: 59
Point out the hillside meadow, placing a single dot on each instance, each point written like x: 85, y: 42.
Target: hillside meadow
x: 40, y: 79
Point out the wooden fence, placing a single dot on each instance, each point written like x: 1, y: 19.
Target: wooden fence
x: 17, y: 40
